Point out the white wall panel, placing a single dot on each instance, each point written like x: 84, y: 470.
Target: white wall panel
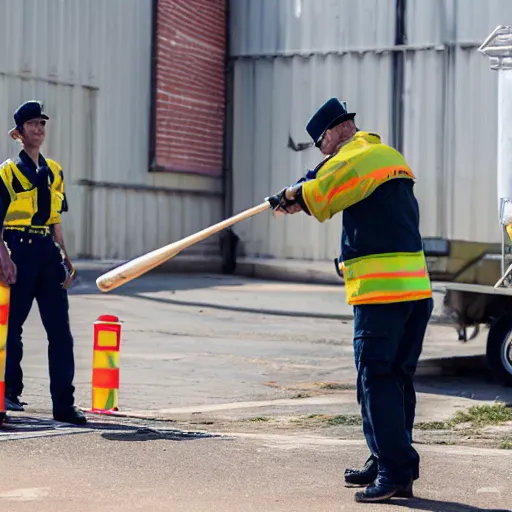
x: 291, y: 26
x: 273, y: 100
x: 89, y: 62
x: 290, y: 56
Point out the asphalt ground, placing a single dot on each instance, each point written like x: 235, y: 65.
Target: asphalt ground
x: 202, y: 357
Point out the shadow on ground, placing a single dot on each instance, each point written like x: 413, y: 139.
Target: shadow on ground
x: 473, y: 385
x: 85, y: 283
x: 441, y: 506
x: 151, y: 434
x: 20, y: 427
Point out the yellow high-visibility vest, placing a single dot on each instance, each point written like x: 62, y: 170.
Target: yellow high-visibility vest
x: 23, y: 205
x: 385, y: 278
x: 348, y: 177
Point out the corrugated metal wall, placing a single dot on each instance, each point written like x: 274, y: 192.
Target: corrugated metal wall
x: 290, y: 56
x: 89, y: 61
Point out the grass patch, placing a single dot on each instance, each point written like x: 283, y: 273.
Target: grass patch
x: 345, y: 420
x: 433, y: 425
x: 336, y: 386
x: 259, y: 419
x: 348, y: 420
x: 484, y: 415
x: 476, y: 417
x: 506, y: 444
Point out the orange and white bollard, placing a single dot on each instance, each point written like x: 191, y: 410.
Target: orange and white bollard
x: 105, y: 367
x: 5, y: 298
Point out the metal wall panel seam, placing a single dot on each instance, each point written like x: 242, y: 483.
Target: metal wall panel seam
x: 356, y: 50
x: 148, y: 188
x: 47, y: 80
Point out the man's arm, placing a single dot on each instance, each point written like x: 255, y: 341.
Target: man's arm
x: 58, y: 236
x: 335, y: 190
x: 56, y: 227
x: 5, y: 201
x: 324, y: 195
x: 7, y: 266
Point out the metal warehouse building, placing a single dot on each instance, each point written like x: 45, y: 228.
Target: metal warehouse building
x: 165, y: 122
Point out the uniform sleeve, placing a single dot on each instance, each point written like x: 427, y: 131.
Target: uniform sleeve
x: 61, y: 188
x: 5, y: 201
x: 334, y: 189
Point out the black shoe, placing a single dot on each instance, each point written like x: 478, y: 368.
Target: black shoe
x: 72, y: 415
x: 13, y: 403
x: 363, y: 476
x: 381, y: 492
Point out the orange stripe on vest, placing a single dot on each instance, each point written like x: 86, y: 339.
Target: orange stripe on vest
x: 378, y: 174
x: 391, y: 297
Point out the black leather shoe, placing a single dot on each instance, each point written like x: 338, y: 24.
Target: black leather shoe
x: 13, y: 403
x: 365, y: 476
x: 405, y: 492
x: 72, y: 415
x: 382, y: 492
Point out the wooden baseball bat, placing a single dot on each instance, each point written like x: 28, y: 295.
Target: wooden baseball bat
x: 138, y: 266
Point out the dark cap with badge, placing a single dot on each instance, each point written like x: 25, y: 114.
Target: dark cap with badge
x: 329, y: 115
x: 26, y: 112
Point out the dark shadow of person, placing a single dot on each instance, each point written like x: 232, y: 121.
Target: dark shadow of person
x: 441, y: 506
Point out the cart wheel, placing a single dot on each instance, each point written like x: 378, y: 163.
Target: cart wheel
x: 499, y: 350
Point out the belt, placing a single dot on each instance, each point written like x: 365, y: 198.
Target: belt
x: 30, y: 230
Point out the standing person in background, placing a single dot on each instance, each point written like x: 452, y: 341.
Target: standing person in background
x: 386, y: 281
x: 34, y: 262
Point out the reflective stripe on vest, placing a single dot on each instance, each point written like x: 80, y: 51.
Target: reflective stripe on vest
x: 385, y: 278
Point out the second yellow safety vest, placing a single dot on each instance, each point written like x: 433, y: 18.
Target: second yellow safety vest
x: 23, y: 204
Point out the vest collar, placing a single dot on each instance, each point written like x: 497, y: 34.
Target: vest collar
x: 30, y: 163
x: 372, y: 138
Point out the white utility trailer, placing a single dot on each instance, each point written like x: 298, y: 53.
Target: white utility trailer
x: 469, y: 304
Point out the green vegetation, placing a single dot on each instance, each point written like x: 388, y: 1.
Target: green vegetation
x: 337, y: 386
x: 348, y: 420
x: 345, y: 420
x: 506, y: 444
x: 476, y: 417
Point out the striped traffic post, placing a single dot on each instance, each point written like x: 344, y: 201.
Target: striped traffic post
x: 5, y: 297
x: 105, y: 368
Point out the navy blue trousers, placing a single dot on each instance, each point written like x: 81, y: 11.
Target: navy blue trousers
x: 40, y: 274
x: 388, y: 340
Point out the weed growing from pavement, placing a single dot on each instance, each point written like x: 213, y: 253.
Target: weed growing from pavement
x: 345, y: 420
x: 476, y: 417
x: 337, y: 386
x: 506, y: 444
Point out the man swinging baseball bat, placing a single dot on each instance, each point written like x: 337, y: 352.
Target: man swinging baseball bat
x: 386, y: 282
